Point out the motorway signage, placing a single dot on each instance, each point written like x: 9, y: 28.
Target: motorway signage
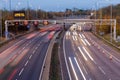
x: 19, y: 14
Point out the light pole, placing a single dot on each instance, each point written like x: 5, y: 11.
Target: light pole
x: 28, y: 9
x: 10, y: 5
x: 111, y: 19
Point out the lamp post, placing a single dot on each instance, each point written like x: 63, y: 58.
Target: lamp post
x: 28, y: 9
x: 111, y: 14
x: 10, y: 5
x: 110, y: 17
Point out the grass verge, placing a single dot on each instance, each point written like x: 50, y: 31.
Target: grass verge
x: 55, y: 64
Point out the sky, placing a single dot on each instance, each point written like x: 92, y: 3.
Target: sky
x: 55, y: 5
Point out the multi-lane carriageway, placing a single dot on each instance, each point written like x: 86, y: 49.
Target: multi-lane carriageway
x: 23, y: 58
x: 85, y: 57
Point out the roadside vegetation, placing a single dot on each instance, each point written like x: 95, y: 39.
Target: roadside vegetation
x: 55, y: 64
x: 105, y: 13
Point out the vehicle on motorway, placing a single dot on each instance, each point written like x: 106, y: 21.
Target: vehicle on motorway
x: 59, y: 40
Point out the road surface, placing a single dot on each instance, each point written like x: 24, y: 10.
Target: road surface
x: 85, y: 57
x: 23, y: 59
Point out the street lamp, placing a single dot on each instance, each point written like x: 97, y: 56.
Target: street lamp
x: 111, y: 19
x: 10, y: 4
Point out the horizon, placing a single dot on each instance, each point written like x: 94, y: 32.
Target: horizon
x: 55, y: 5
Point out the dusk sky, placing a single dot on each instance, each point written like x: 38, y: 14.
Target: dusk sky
x: 56, y: 5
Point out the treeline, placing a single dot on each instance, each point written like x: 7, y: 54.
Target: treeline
x: 41, y: 14
x: 105, y: 13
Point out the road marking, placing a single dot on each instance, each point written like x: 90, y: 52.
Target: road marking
x: 95, y: 62
x: 30, y: 57
x: 83, y: 36
x: 87, y: 42
x: 85, y: 70
x: 82, y: 53
x: 23, y: 47
x: 26, y: 63
x: 69, y: 33
x: 36, y: 48
x: 80, y: 35
x: 73, y: 68
x: 102, y: 70
x: 66, y: 58
x: 73, y: 38
x: 33, y: 51
x: 83, y: 42
x: 21, y: 71
x: 88, y: 54
x: 15, y: 79
x: 80, y: 69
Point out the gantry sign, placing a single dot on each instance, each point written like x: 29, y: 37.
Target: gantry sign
x: 24, y: 22
x: 111, y: 22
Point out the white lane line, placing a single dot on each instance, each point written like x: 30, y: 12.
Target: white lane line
x: 15, y: 79
x: 80, y: 35
x: 66, y: 59
x: 30, y: 57
x: 88, y: 54
x: 76, y: 78
x: 85, y: 70
x: 102, y: 70
x: 83, y: 42
x: 87, y: 42
x: 80, y: 69
x: 90, y: 79
x: 23, y: 47
x: 69, y: 33
x: 21, y: 71
x: 75, y: 33
x: 36, y: 48
x: 33, y: 51
x: 95, y: 62
x: 83, y: 36
x: 73, y: 38
x: 82, y: 53
x: 26, y: 63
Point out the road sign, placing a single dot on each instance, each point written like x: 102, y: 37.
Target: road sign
x: 19, y: 14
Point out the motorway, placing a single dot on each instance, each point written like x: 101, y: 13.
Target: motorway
x: 85, y: 57
x: 23, y: 59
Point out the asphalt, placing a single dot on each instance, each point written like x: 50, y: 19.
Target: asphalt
x: 86, y: 57
x: 26, y: 54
